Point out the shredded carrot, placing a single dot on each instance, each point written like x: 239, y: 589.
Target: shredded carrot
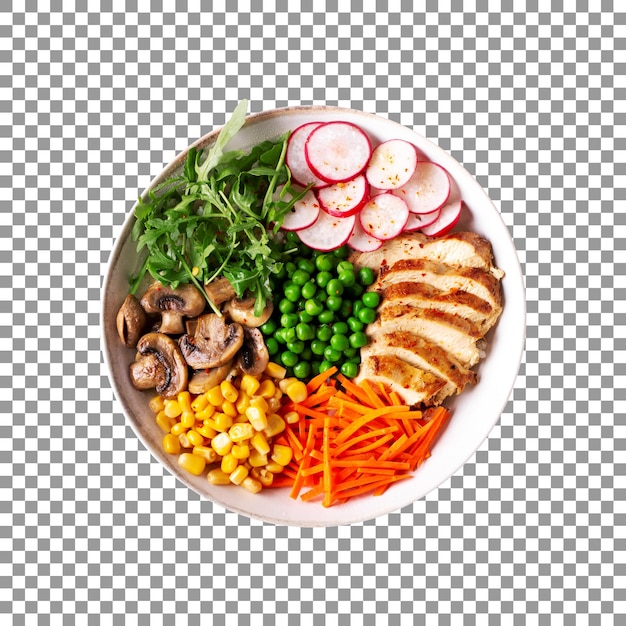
x: 354, y: 439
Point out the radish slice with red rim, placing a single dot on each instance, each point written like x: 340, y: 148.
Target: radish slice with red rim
x: 344, y: 199
x: 303, y: 213
x: 295, y: 158
x: 427, y: 190
x: 384, y: 216
x: 362, y: 242
x: 447, y: 220
x: 417, y: 221
x: 337, y: 151
x: 327, y: 232
x: 392, y: 164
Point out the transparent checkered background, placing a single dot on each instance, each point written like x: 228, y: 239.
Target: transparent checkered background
x: 97, y: 97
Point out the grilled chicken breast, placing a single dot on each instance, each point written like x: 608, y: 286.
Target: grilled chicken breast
x: 440, y: 297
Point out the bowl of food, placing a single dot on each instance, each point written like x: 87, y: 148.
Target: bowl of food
x: 313, y: 316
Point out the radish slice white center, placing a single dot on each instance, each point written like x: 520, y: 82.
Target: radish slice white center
x: 384, y: 216
x: 448, y: 217
x: 295, y: 159
x: 361, y: 241
x: 303, y: 214
x: 392, y: 164
x: 328, y: 232
x: 343, y: 199
x: 427, y: 190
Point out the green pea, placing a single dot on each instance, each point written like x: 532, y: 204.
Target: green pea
x: 281, y: 273
x: 342, y: 253
x: 305, y: 318
x: 350, y: 353
x: 315, y: 368
x: 306, y: 265
x: 367, y: 316
x: 288, y: 359
x: 270, y: 327
x: 355, y: 324
x: 279, y: 336
x: 289, y: 334
x: 346, y: 309
x: 286, y: 306
x: 344, y: 266
x: 289, y: 320
x: 324, y: 333
x: 356, y: 307
x: 339, y: 342
x: 272, y: 346
x: 292, y: 292
x: 323, y: 278
x: 313, y: 307
x: 356, y: 358
x: 334, y: 287
x: 302, y: 369
x: 300, y: 277
x: 358, y: 339
x: 318, y: 347
x: 356, y: 290
x: 290, y: 268
x: 340, y: 328
x: 304, y: 332
x: 332, y: 355
x: 324, y: 263
x: 371, y: 299
x: 297, y: 346
x: 366, y: 276
x: 347, y: 278
x: 349, y: 369
x: 306, y: 354
x: 309, y: 289
x: 333, y: 303
x: 324, y: 365
x: 326, y: 317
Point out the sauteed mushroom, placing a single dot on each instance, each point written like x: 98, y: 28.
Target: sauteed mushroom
x: 242, y: 312
x: 203, y: 380
x: 173, y: 305
x: 131, y: 320
x: 219, y: 291
x: 253, y: 356
x: 159, y: 365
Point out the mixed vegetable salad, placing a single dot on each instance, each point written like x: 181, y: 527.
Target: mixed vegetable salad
x: 253, y: 365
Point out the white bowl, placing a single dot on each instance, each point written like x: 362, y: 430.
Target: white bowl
x: 475, y: 411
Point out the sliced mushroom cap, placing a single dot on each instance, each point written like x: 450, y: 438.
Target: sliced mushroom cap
x: 219, y: 291
x: 173, y: 305
x: 214, y: 343
x: 242, y: 312
x: 131, y: 321
x: 253, y: 356
x: 203, y: 380
x: 159, y: 365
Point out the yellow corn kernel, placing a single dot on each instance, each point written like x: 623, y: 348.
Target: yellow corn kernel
x: 275, y: 468
x: 241, y: 432
x: 184, y: 441
x: 229, y: 391
x: 222, y: 444
x: 292, y: 417
x: 208, y: 454
x: 163, y: 422
x: 259, y: 443
x: 259, y: 402
x: 199, y: 403
x: 171, y: 445
x: 257, y: 418
x: 251, y: 485
x: 229, y: 463
x: 285, y: 382
x: 241, y: 419
x: 240, y: 451
x: 274, y: 370
x: 256, y: 459
x: 222, y: 422
x: 188, y: 419
x: 207, y: 432
x: 266, y: 389
x: 297, y: 391
x: 177, y: 429
x: 172, y: 408
x: 229, y: 408
x: 238, y: 474
x: 215, y: 396
x: 273, y: 405
x: 206, y: 413
x: 275, y: 425
x: 184, y: 400
x: 249, y: 384
x: 218, y: 477
x: 282, y: 454
x: 263, y: 475
x: 156, y: 404
x: 243, y: 402
x: 195, y: 438
x: 193, y: 463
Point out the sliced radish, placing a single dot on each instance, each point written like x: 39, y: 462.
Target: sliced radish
x: 344, y: 199
x: 448, y: 217
x: 392, y: 164
x: 384, y: 216
x: 427, y: 190
x: 295, y: 159
x: 304, y: 212
x: 417, y: 221
x: 337, y: 151
x: 327, y: 232
x: 362, y: 242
